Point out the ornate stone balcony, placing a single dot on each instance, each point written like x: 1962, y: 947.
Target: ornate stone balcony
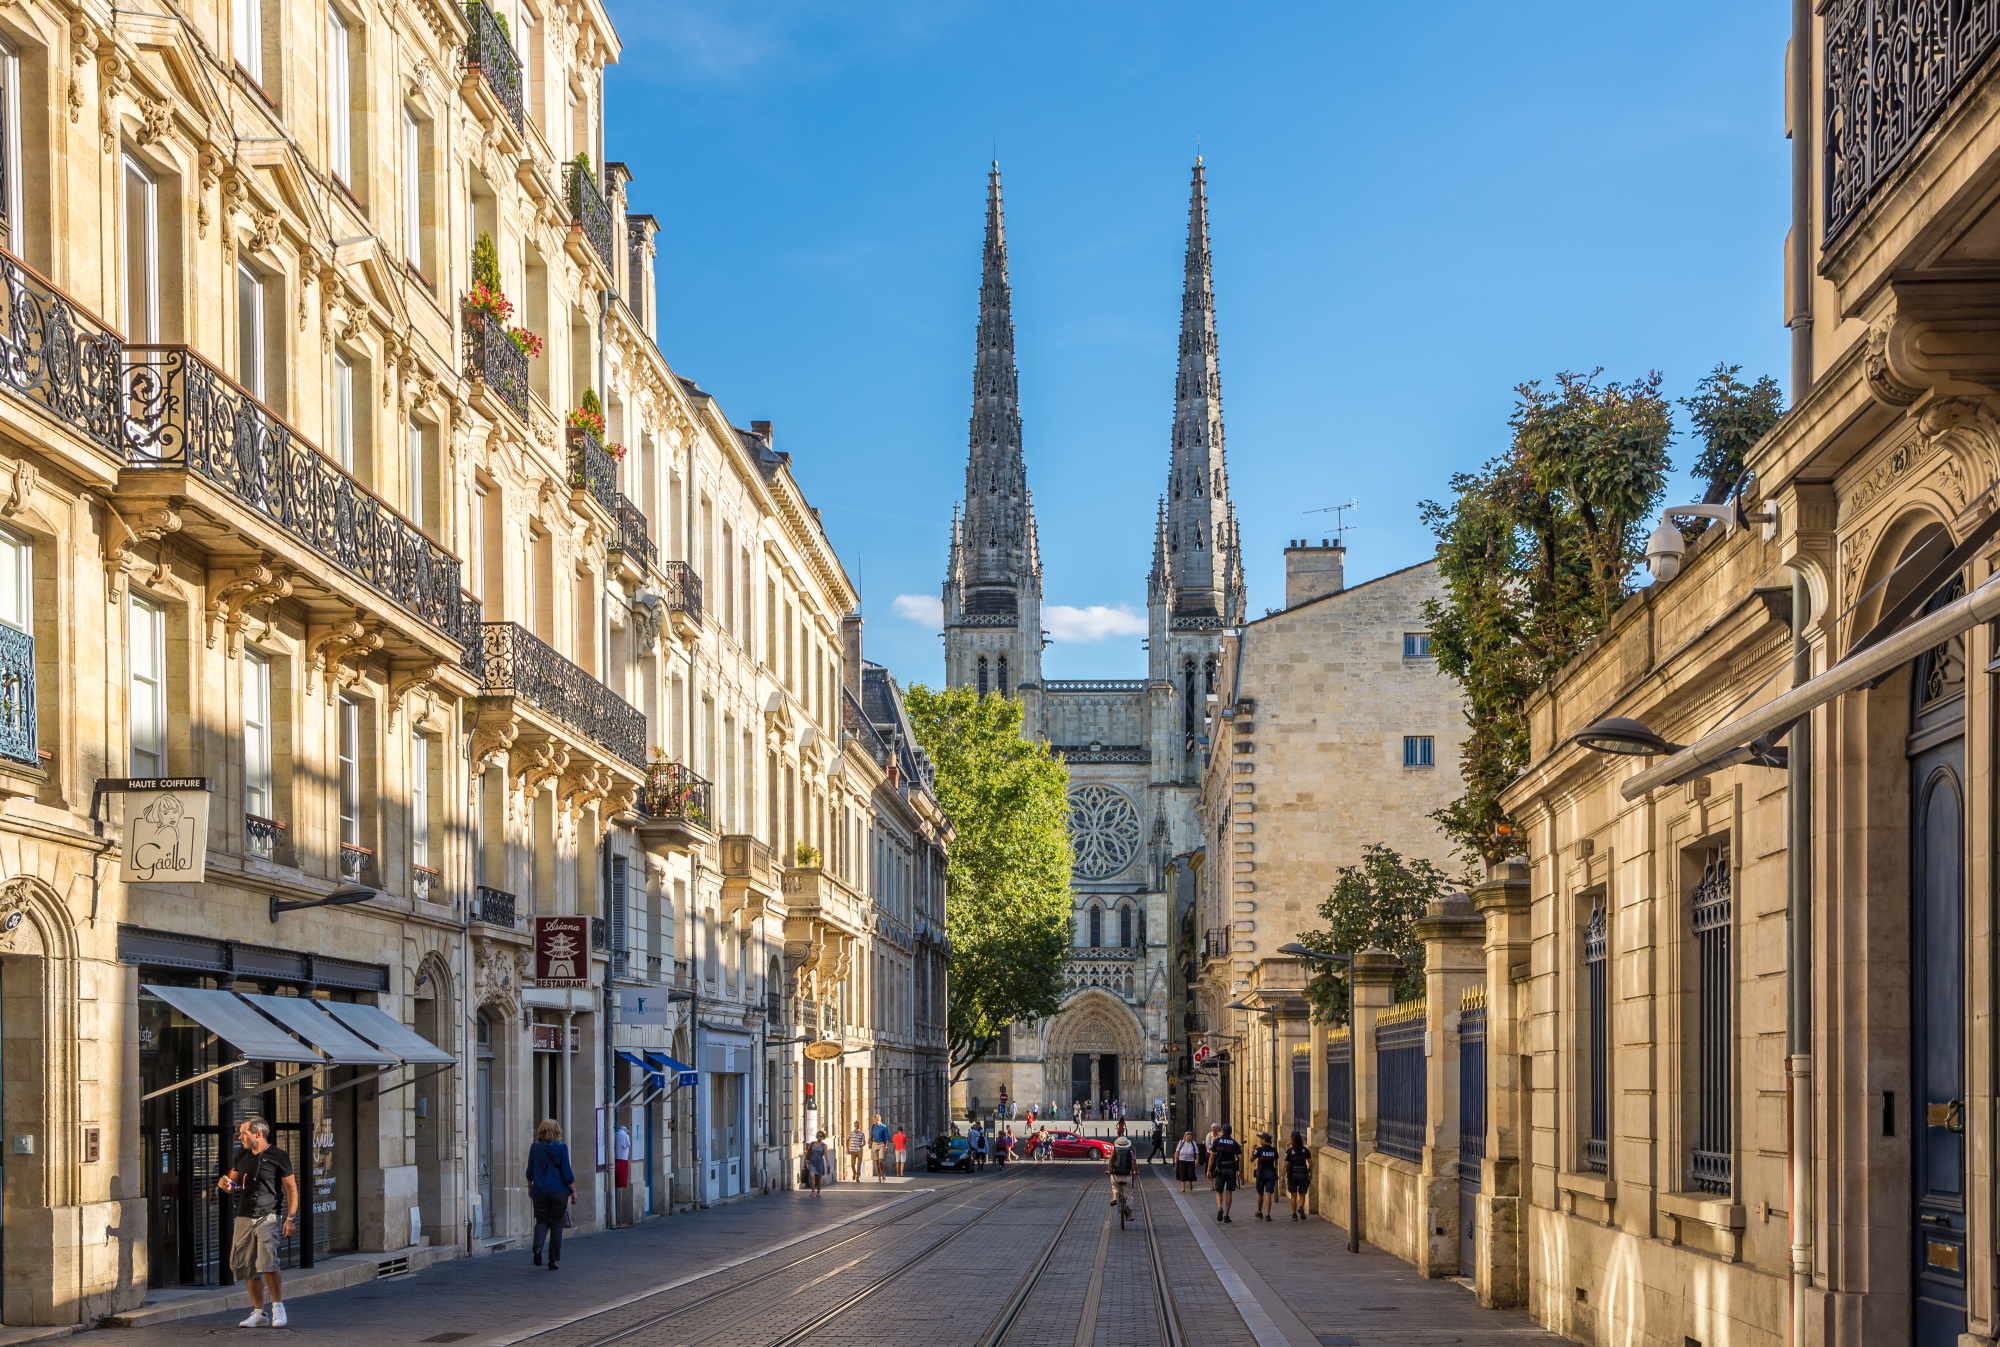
x: 589, y: 217
x: 675, y: 810
x: 494, y: 907
x: 492, y: 68
x: 522, y: 666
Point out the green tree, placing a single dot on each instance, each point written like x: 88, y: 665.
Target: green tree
x: 1374, y: 903
x: 1007, y: 904
x: 1730, y: 416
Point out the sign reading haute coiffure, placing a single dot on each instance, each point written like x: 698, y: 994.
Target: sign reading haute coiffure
x: 562, y: 952
x: 166, y: 827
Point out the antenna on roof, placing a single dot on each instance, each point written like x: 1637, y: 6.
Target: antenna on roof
x: 1340, y: 524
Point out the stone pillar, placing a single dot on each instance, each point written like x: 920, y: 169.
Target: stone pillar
x: 1500, y: 1273
x: 1453, y: 936
x: 1374, y: 991
x: 1094, y: 1086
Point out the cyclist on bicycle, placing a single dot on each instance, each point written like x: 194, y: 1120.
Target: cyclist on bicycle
x: 1120, y: 1165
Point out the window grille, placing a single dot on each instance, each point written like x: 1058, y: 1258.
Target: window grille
x: 1404, y: 1099
x: 1595, y: 1146
x: 1339, y: 1083
x: 1418, y: 750
x: 1416, y: 644
x: 1713, y: 1022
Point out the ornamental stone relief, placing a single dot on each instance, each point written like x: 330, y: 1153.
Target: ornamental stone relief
x: 1103, y: 831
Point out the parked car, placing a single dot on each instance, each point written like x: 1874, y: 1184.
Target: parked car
x: 948, y: 1150
x: 1066, y: 1144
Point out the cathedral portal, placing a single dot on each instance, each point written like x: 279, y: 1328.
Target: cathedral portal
x: 1094, y: 1048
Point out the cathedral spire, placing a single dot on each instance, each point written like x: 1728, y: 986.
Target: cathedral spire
x: 1204, y: 565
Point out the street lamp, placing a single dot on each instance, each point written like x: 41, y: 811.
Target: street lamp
x: 340, y: 897
x: 1298, y: 951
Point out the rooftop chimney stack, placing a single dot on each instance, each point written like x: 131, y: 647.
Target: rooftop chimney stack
x: 762, y: 429
x: 1313, y: 572
x: 850, y: 654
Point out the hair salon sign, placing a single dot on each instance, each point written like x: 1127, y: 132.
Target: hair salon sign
x: 166, y: 828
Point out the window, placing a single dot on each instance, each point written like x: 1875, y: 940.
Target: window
x: 250, y: 38
x: 1416, y: 645
x: 339, y: 100
x: 1714, y: 1023
x: 257, y: 744
x: 982, y: 675
x: 420, y: 800
x: 1124, y: 928
x: 1417, y: 750
x: 250, y: 331
x: 1596, y: 1144
x: 343, y: 411
x: 413, y: 196
x: 416, y: 475
x: 10, y: 148
x: 349, y: 783
x: 1003, y: 675
x: 16, y: 580
x: 142, y: 252
x: 149, y: 689
x: 17, y: 649
x: 1096, y: 927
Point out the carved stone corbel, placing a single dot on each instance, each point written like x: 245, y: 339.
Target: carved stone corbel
x: 1969, y: 433
x: 410, y: 681
x: 114, y: 76
x: 583, y: 786
x: 26, y: 475
x: 648, y: 612
x: 121, y: 561
x: 339, y: 652
x: 493, y: 738
x: 156, y: 119
x: 620, y: 799
x: 532, y: 763
x: 254, y: 584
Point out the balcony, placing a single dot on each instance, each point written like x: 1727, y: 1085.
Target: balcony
x: 355, y: 861
x: 494, y: 907
x: 774, y: 1008
x: 426, y: 883
x: 592, y: 469
x: 492, y: 67
x: 492, y: 357
x: 675, y: 810
x: 54, y: 354
x: 680, y: 591
x: 1216, y: 942
x: 632, y: 536
x: 600, y: 935
x: 522, y: 666
x: 589, y: 214
x: 263, y: 835
x: 179, y: 414
x: 17, y: 697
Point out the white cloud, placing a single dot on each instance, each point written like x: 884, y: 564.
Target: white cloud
x: 1094, y: 623
x: 927, y: 609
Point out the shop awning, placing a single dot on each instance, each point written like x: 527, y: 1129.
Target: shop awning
x: 230, y: 1018
x: 651, y: 1068
x: 309, y: 1020
x: 683, y: 1073
x: 389, y: 1034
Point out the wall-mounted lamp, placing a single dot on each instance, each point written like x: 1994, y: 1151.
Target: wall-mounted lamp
x: 340, y: 897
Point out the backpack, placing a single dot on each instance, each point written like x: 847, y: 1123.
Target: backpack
x: 1121, y: 1160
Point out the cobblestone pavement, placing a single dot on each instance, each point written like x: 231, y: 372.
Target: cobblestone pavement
x: 940, y: 1259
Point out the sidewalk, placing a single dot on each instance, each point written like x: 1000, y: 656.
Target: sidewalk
x: 1296, y: 1285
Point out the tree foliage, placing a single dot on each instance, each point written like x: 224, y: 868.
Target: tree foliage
x: 1007, y: 905
x: 1374, y: 903
x: 1730, y: 416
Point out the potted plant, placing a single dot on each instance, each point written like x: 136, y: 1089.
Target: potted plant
x: 487, y: 302
x: 807, y: 856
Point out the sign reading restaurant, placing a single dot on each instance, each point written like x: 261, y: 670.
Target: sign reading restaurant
x: 562, y: 952
x: 166, y: 827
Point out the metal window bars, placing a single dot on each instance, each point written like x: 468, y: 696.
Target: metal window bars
x: 680, y: 588
x: 354, y: 861
x: 632, y: 535
x: 264, y: 835
x: 1404, y: 1100
x: 1596, y: 1145
x: 491, y: 355
x: 1340, y: 1088
x: 593, y: 469
x: 1471, y: 1081
x: 17, y: 698
x: 1714, y: 1023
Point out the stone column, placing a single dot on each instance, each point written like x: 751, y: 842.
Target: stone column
x: 1093, y: 1084
x: 1500, y: 1272
x: 1453, y: 936
x: 1374, y: 991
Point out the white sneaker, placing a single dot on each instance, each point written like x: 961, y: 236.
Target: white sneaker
x: 278, y: 1319
x: 256, y: 1320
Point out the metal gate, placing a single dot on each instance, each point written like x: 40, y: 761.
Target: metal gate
x: 1471, y: 1118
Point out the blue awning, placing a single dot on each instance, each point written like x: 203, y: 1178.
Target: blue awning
x: 638, y: 1060
x: 682, y: 1073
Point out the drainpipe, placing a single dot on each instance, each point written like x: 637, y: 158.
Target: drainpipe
x: 1798, y: 971
x: 1801, y: 114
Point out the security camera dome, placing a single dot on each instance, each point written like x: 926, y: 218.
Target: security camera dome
x: 1664, y: 550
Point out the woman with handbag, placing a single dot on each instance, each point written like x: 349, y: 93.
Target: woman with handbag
x: 817, y: 1163
x: 552, y: 1189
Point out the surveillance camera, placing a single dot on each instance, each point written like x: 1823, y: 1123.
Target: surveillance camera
x: 1664, y: 551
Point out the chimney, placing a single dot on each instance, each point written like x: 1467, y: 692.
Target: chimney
x: 640, y: 291
x: 762, y: 429
x: 1313, y: 572
x: 850, y: 652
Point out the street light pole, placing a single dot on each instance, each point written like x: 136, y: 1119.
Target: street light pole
x: 1298, y: 951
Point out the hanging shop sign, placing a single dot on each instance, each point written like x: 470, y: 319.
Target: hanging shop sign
x: 562, y: 952
x: 823, y: 1050
x: 166, y: 828
x: 548, y: 1038
x: 642, y: 1005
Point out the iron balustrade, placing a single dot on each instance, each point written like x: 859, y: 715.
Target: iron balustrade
x: 1216, y: 942
x: 491, y: 354
x: 1891, y: 67
x: 590, y: 212
x: 1713, y: 1025
x: 774, y: 1008
x: 1403, y: 1101
x: 264, y: 834
x: 179, y: 413
x: 1471, y: 1083
x: 523, y: 666
x: 354, y: 861
x: 1340, y: 1090
x: 17, y: 697
x: 495, y: 907
x: 632, y: 537
x: 1596, y: 1146
x: 488, y: 50
x: 56, y: 355
x: 592, y: 469
x: 425, y: 881
x: 677, y: 792
x: 600, y: 935
x: 680, y: 588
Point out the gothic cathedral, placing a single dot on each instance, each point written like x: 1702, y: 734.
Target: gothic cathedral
x: 1133, y: 745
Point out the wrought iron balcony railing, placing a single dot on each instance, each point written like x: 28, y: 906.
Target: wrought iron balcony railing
x: 774, y: 1008
x: 590, y: 212
x: 520, y: 664
x: 632, y: 536
x: 491, y: 354
x: 265, y: 835
x: 488, y: 51
x: 180, y: 413
x: 1891, y: 68
x: 680, y: 588
x: 593, y: 469
x: 355, y: 861
x: 674, y: 791
x: 426, y: 882
x: 55, y: 354
x: 17, y: 697
x: 600, y: 935
x: 495, y: 907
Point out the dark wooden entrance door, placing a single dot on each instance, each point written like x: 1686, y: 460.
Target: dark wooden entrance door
x: 1107, y: 1077
x: 1079, y: 1078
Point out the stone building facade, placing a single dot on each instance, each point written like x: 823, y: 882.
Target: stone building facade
x: 288, y: 516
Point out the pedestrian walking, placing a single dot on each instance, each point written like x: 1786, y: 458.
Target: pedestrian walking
x: 1159, y: 1140
x: 819, y: 1159
x: 551, y: 1188
x: 1187, y: 1161
x: 901, y: 1143
x: 263, y: 1174
x: 1225, y: 1157
x: 1264, y: 1157
x: 878, y: 1142
x: 1298, y: 1175
x: 1076, y: 1113
x: 857, y: 1148
x: 1002, y: 1139
x: 975, y: 1144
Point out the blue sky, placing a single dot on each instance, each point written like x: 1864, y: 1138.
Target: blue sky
x: 1412, y: 208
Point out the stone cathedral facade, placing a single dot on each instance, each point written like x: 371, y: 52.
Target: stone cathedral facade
x: 1134, y: 746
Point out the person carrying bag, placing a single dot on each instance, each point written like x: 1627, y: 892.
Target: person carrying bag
x: 551, y: 1188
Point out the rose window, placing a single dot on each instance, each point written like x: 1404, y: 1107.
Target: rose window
x: 1103, y: 831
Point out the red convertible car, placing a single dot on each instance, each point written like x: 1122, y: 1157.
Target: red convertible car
x: 1065, y: 1144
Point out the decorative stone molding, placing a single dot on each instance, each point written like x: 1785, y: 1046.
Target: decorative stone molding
x: 155, y: 120
x: 121, y: 562
x: 533, y: 762
x: 410, y: 681
x: 253, y: 584
x: 26, y: 475
x: 339, y: 652
x: 496, y: 977
x: 493, y: 738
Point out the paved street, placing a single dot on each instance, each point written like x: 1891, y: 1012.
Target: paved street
x: 1032, y: 1257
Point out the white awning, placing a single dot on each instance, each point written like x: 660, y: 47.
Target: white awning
x: 389, y: 1034
x: 231, y: 1019
x: 308, y: 1019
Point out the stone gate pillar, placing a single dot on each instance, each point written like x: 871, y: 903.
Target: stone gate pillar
x: 1500, y: 1272
x: 1453, y: 936
x: 1374, y: 991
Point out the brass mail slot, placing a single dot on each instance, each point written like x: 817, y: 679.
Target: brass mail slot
x: 1941, y: 1255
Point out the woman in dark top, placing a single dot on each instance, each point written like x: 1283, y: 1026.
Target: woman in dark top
x: 1298, y: 1175
x: 551, y: 1187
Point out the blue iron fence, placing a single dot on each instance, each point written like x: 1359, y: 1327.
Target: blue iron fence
x: 17, y: 697
x: 1403, y: 1093
x: 1340, y: 1089
x: 1471, y: 1082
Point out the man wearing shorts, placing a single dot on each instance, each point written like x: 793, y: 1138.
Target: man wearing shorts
x: 1265, y: 1157
x: 857, y: 1148
x: 262, y: 1175
x: 901, y: 1143
x: 1225, y: 1157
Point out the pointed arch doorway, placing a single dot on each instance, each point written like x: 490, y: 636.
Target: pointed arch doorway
x: 1096, y: 1047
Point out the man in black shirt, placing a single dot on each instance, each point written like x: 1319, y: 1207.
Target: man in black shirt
x: 262, y: 1176
x: 1265, y: 1156
x: 1225, y: 1157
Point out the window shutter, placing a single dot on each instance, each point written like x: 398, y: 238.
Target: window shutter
x: 618, y: 916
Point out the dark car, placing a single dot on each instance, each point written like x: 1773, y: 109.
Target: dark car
x: 949, y: 1150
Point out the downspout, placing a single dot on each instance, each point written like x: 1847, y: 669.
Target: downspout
x: 1798, y: 971
x: 1800, y: 114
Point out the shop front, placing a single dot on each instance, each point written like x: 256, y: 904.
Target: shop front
x: 724, y: 1123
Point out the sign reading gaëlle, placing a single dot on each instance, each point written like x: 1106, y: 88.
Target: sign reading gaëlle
x: 562, y: 952
x: 166, y: 828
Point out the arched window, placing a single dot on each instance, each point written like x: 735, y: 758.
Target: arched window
x: 1124, y: 928
x: 1187, y: 711
x: 1096, y: 926
x: 1003, y: 675
x: 982, y: 675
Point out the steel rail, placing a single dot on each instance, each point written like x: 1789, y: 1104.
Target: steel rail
x: 997, y: 1331
x: 1170, y: 1319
